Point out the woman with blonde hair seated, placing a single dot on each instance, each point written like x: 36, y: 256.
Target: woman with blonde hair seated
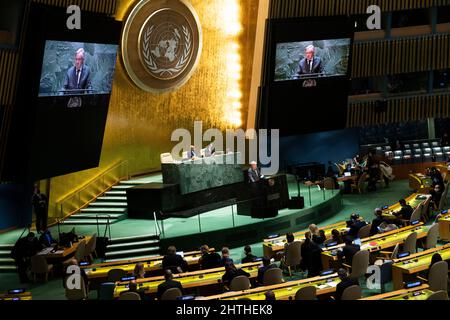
x: 139, y: 271
x: 317, y: 236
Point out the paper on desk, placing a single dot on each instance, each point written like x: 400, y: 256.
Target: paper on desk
x: 323, y: 286
x: 332, y: 284
x: 45, y: 251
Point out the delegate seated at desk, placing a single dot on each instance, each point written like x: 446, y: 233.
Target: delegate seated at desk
x: 254, y: 174
x: 192, y: 154
x: 405, y: 212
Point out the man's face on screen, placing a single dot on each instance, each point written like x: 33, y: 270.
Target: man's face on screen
x: 309, y: 54
x: 79, y: 60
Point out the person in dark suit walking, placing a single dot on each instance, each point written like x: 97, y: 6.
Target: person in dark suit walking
x: 169, y: 283
x: 348, y: 251
x: 78, y: 76
x: 310, y: 64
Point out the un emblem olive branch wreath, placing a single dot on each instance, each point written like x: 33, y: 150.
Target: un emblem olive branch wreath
x: 151, y: 64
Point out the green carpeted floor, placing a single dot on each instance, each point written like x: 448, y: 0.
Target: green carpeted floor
x: 362, y: 204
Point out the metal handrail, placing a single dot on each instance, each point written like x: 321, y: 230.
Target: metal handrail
x: 61, y: 205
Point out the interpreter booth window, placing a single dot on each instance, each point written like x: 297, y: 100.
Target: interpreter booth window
x: 408, y: 83
x: 390, y: 132
x: 368, y: 85
x: 411, y: 18
x: 443, y: 14
x: 441, y: 80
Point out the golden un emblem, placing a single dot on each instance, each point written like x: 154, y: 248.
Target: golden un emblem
x: 161, y: 44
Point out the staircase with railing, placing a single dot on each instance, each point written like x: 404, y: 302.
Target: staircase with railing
x: 100, y: 201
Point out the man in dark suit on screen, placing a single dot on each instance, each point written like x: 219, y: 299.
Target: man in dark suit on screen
x: 310, y: 64
x: 78, y: 76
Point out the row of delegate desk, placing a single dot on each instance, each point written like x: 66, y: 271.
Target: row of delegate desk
x: 325, y: 285
x: 98, y: 273
x: 62, y: 253
x: 414, y: 294
x: 199, y: 282
x: 16, y: 296
x: 274, y: 245
x: 413, y: 200
x: 375, y: 243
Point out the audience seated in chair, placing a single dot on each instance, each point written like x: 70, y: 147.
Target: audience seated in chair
x: 132, y: 287
x: 289, y: 239
x: 232, y: 272
x: 169, y: 283
x: 336, y: 237
x: 436, y: 195
x: 249, y: 257
x: 376, y: 222
x: 266, y: 266
x: 174, y: 261
x: 344, y: 284
x: 405, y: 212
x: 139, y: 271
x: 291, y: 253
x: 318, y: 236
x: 22, y: 252
x: 348, y: 251
x: 225, y: 257
x: 270, y: 295
x: 209, y: 260
x: 355, y: 223
x: 434, y: 259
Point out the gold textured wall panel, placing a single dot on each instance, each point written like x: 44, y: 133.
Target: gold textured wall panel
x: 140, y: 124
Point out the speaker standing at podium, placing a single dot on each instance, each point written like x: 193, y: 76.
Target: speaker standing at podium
x: 254, y: 174
x: 310, y: 64
x: 78, y: 76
